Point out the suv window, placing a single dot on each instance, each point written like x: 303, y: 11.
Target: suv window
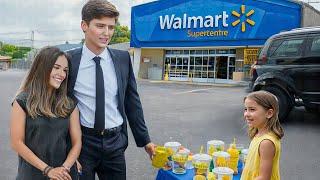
x: 288, y: 48
x: 315, y: 46
x: 274, y: 46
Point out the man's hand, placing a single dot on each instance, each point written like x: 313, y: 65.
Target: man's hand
x: 150, y: 149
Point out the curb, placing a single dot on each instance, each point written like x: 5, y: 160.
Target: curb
x: 237, y: 84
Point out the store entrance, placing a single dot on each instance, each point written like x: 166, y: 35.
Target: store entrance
x: 200, y: 65
x: 222, y: 67
x: 225, y: 66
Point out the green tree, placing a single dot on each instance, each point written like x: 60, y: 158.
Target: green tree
x: 13, y: 51
x: 8, y: 48
x: 121, y: 34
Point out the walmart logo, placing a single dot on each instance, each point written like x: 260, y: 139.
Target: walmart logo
x: 247, y: 16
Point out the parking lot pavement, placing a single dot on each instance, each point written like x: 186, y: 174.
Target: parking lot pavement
x: 191, y: 114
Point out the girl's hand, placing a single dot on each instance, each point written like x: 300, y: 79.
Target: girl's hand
x: 79, y: 167
x: 59, y: 173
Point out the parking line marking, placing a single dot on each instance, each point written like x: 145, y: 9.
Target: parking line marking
x: 192, y: 91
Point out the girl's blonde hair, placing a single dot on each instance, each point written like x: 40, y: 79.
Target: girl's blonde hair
x: 36, y: 84
x: 267, y: 101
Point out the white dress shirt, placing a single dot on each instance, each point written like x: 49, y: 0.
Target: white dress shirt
x: 85, y: 89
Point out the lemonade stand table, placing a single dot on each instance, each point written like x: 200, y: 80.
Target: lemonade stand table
x: 168, y: 175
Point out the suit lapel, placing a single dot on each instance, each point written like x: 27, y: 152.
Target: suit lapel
x: 117, y: 69
x: 75, y: 63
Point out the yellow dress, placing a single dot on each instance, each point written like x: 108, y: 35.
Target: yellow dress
x: 252, y: 164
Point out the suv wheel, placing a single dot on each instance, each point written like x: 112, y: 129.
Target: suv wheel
x: 312, y: 109
x: 285, y: 105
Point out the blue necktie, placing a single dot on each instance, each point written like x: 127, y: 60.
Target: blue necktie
x: 99, y: 122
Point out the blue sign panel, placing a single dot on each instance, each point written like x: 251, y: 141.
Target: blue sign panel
x: 192, y: 23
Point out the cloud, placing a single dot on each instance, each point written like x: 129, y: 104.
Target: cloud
x: 45, y: 17
x: 53, y: 21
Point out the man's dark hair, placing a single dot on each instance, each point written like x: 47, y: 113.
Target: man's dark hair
x: 96, y: 9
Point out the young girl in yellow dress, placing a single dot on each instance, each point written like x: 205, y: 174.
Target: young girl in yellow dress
x: 261, y: 114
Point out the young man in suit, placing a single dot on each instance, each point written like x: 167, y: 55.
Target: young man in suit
x: 102, y: 81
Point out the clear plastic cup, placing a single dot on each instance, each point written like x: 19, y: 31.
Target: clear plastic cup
x: 199, y: 177
x: 223, y: 173
x: 172, y: 148
x: 243, y: 157
x: 211, y: 176
x: 234, y: 158
x: 214, y: 145
x: 179, y: 160
x: 189, y: 162
x: 201, y: 164
x: 221, y: 159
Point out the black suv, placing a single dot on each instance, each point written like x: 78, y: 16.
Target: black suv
x: 289, y: 67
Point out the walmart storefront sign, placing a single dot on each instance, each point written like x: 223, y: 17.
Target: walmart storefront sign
x: 187, y: 22
x: 192, y: 23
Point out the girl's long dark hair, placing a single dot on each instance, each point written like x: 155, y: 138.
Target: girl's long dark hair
x: 41, y: 101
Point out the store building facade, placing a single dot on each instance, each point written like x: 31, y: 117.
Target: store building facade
x: 208, y: 40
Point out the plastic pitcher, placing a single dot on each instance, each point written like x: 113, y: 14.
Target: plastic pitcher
x: 160, y: 158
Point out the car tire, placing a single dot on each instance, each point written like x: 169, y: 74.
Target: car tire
x: 285, y: 104
x: 312, y: 109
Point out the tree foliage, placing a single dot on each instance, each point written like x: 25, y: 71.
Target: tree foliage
x: 121, y: 34
x: 15, y: 52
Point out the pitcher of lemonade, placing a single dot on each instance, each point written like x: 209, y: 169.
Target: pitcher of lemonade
x: 161, y: 157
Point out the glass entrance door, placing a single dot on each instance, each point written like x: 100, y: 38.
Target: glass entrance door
x: 222, y: 67
x: 176, y: 67
x: 232, y: 67
x: 211, y: 67
x: 200, y: 65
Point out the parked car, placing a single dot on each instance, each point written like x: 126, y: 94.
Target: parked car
x: 289, y: 67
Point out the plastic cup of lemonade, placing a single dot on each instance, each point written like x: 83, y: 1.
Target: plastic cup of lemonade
x: 243, y: 157
x: 172, y: 148
x: 179, y: 160
x: 221, y: 159
x: 214, y: 145
x: 201, y: 164
x: 223, y: 173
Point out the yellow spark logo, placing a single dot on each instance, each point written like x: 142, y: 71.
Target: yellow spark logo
x: 243, y: 12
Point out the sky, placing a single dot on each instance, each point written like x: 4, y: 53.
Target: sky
x: 53, y: 21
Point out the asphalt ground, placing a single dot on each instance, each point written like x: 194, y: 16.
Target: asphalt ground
x: 191, y: 114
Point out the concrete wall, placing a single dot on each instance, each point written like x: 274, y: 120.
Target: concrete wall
x: 239, y: 53
x: 310, y: 16
x: 156, y: 60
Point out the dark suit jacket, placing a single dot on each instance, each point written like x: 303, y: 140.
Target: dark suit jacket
x: 129, y: 104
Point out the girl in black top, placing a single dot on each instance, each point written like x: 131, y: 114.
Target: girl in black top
x: 45, y: 129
